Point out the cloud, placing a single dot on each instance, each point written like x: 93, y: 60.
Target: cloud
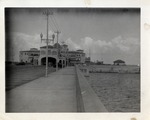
x: 124, y: 44
x: 89, y: 41
x: 21, y: 41
x: 117, y: 48
x: 120, y: 43
x: 89, y: 45
x: 72, y: 45
x: 94, y: 48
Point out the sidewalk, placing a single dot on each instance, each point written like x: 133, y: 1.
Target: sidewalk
x: 55, y: 93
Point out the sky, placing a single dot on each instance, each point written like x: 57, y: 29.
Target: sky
x: 105, y: 34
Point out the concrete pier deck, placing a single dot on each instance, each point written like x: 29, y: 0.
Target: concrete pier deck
x: 55, y: 93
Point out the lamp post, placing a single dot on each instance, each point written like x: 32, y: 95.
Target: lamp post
x: 52, y: 39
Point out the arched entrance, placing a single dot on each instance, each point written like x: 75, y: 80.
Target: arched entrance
x: 51, y: 61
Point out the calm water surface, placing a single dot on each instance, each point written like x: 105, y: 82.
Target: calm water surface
x: 118, y: 92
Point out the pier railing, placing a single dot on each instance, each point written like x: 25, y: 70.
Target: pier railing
x: 87, y: 100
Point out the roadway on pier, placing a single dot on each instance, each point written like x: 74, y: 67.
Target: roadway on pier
x: 55, y: 93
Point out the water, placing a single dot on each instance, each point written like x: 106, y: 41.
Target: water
x: 119, y: 92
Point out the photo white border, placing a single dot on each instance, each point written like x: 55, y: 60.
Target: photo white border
x: 145, y: 60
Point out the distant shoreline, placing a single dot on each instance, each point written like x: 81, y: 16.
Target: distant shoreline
x: 133, y: 69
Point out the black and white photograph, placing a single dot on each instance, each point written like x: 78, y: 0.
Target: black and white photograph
x: 72, y: 60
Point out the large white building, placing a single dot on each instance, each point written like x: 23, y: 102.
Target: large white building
x: 65, y: 57
x: 76, y: 57
x: 30, y: 56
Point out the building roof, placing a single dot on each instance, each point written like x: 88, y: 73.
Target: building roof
x: 73, y: 52
x: 55, y: 45
x: 76, y: 52
x: 80, y: 50
x: 30, y: 51
x: 49, y: 46
x: 65, y: 45
x: 119, y: 61
x: 33, y: 49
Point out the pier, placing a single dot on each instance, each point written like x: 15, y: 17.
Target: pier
x: 63, y: 91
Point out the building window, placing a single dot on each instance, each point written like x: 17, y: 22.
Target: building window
x: 49, y: 52
x: 54, y: 53
x: 36, y: 55
x: 42, y: 52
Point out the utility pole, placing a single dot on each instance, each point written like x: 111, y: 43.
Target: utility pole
x: 57, y: 32
x: 47, y: 13
x: 13, y: 55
